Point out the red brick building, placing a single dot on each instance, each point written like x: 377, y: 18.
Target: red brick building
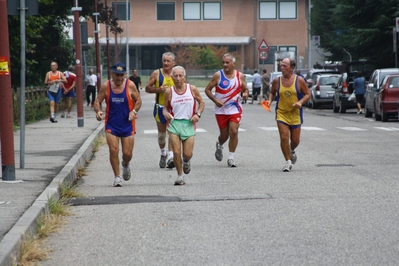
x: 239, y: 24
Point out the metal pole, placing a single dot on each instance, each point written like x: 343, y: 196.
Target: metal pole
x: 78, y: 61
x: 22, y: 90
x: 108, y: 49
x: 6, y: 104
x: 116, y: 36
x: 127, y: 36
x: 96, y: 32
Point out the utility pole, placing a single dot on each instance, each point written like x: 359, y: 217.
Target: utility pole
x: 96, y: 32
x: 78, y: 61
x: 116, y: 57
x: 108, y: 49
x: 23, y: 85
x: 6, y: 104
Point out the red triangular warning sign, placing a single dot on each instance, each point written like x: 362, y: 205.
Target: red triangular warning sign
x: 263, y: 46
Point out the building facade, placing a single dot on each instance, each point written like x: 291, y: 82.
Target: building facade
x: 259, y: 31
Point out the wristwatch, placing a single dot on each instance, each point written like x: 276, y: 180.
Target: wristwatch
x: 199, y: 114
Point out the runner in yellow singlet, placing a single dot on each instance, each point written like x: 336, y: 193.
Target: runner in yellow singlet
x: 292, y: 93
x: 161, y: 80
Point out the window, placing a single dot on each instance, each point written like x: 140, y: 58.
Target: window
x: 287, y: 51
x: 212, y: 11
x: 165, y: 11
x: 277, y: 9
x: 287, y: 10
x: 206, y: 11
x: 121, y: 10
x: 192, y: 11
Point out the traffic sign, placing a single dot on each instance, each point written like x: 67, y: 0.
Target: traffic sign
x: 263, y: 46
x: 316, y: 40
x: 263, y: 55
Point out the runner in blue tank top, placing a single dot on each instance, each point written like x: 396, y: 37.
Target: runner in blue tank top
x: 123, y: 102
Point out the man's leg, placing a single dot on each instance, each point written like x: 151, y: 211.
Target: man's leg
x: 113, y: 145
x: 175, y: 144
x: 69, y: 104
x: 233, y: 134
x: 127, y: 153
x: 284, y: 131
x: 161, y: 142
x: 88, y: 95
x: 93, y: 96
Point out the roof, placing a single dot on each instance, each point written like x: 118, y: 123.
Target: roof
x: 233, y: 40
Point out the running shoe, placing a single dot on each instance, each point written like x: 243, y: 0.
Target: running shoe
x: 170, y: 164
x: 219, y: 152
x: 117, y: 181
x: 63, y: 115
x: 126, y: 172
x: 162, y: 161
x: 231, y: 163
x: 293, y: 157
x: 287, y: 167
x: 186, y: 167
x: 180, y: 181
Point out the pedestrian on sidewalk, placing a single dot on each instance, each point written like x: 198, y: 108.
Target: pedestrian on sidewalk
x: 91, y: 82
x: 182, y: 113
x: 123, y: 103
x: 161, y: 80
x: 292, y: 93
x: 68, y: 92
x: 229, y: 84
x: 53, y: 79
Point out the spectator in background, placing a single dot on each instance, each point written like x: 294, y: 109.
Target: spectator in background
x: 256, y: 86
x: 91, y: 81
x: 298, y: 72
x: 53, y: 79
x: 359, y: 85
x: 136, y: 79
x: 68, y: 92
x: 265, y: 84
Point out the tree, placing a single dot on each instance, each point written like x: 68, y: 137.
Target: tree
x: 46, y: 40
x: 351, y: 25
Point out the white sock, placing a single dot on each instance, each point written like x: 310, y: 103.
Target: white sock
x: 170, y: 154
x: 231, y: 155
x: 289, y: 162
x: 163, y: 152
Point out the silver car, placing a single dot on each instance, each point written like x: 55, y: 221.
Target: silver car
x: 249, y: 79
x: 322, y: 92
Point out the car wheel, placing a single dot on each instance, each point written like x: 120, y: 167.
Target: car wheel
x: 310, y: 103
x: 342, y: 109
x: 367, y: 113
x: 335, y: 108
x: 315, y: 105
x: 377, y: 117
x: 384, y: 116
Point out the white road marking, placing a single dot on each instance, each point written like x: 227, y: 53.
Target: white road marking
x: 352, y: 128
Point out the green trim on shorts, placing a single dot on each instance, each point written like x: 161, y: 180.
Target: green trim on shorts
x: 183, y: 128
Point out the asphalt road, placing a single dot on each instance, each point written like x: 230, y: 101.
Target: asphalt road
x: 338, y: 206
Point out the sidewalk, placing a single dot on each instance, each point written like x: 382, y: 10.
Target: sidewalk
x: 53, y: 154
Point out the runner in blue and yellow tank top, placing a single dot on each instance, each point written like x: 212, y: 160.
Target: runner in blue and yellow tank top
x: 160, y: 81
x: 123, y: 103
x: 292, y: 92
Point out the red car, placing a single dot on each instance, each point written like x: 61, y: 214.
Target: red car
x: 386, y: 100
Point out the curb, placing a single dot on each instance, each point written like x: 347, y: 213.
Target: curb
x: 27, y: 223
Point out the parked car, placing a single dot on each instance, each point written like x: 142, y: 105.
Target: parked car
x: 344, y: 87
x: 386, y: 100
x: 311, y: 76
x: 373, y: 86
x: 322, y: 92
x: 249, y: 79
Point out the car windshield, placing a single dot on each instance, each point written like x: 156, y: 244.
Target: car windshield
x: 329, y: 80
x: 249, y: 78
